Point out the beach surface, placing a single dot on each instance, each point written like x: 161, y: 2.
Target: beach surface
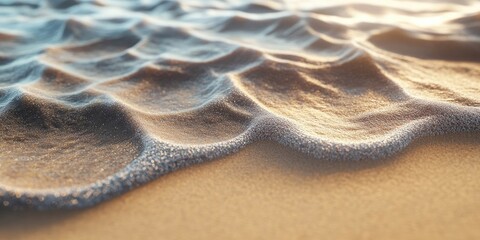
x: 100, y: 97
x: 266, y: 191
x: 239, y: 119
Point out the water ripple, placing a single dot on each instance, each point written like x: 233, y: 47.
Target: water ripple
x: 98, y: 97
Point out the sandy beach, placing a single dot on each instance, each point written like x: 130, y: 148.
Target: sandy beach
x: 239, y: 119
x: 429, y: 191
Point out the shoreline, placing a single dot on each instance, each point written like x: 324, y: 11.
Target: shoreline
x: 428, y: 190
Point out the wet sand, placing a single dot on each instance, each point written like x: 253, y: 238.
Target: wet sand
x: 100, y: 97
x: 266, y: 191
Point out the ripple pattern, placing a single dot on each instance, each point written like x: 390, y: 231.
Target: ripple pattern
x: 98, y: 97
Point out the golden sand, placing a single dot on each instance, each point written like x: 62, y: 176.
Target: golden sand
x: 429, y: 191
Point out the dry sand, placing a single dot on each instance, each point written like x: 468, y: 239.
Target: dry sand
x: 429, y: 191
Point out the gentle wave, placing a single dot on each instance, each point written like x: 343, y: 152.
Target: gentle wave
x: 98, y: 97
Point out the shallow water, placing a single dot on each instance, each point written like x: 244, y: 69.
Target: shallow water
x: 97, y: 97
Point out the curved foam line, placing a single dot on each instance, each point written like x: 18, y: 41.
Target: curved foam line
x: 160, y: 158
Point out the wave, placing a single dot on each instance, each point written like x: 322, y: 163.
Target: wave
x: 99, y: 97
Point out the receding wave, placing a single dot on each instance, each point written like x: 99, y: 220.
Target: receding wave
x: 98, y: 97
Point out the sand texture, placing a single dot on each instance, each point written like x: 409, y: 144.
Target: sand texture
x: 99, y: 97
x: 267, y: 191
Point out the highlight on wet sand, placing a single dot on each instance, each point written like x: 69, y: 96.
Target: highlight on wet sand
x: 100, y: 97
